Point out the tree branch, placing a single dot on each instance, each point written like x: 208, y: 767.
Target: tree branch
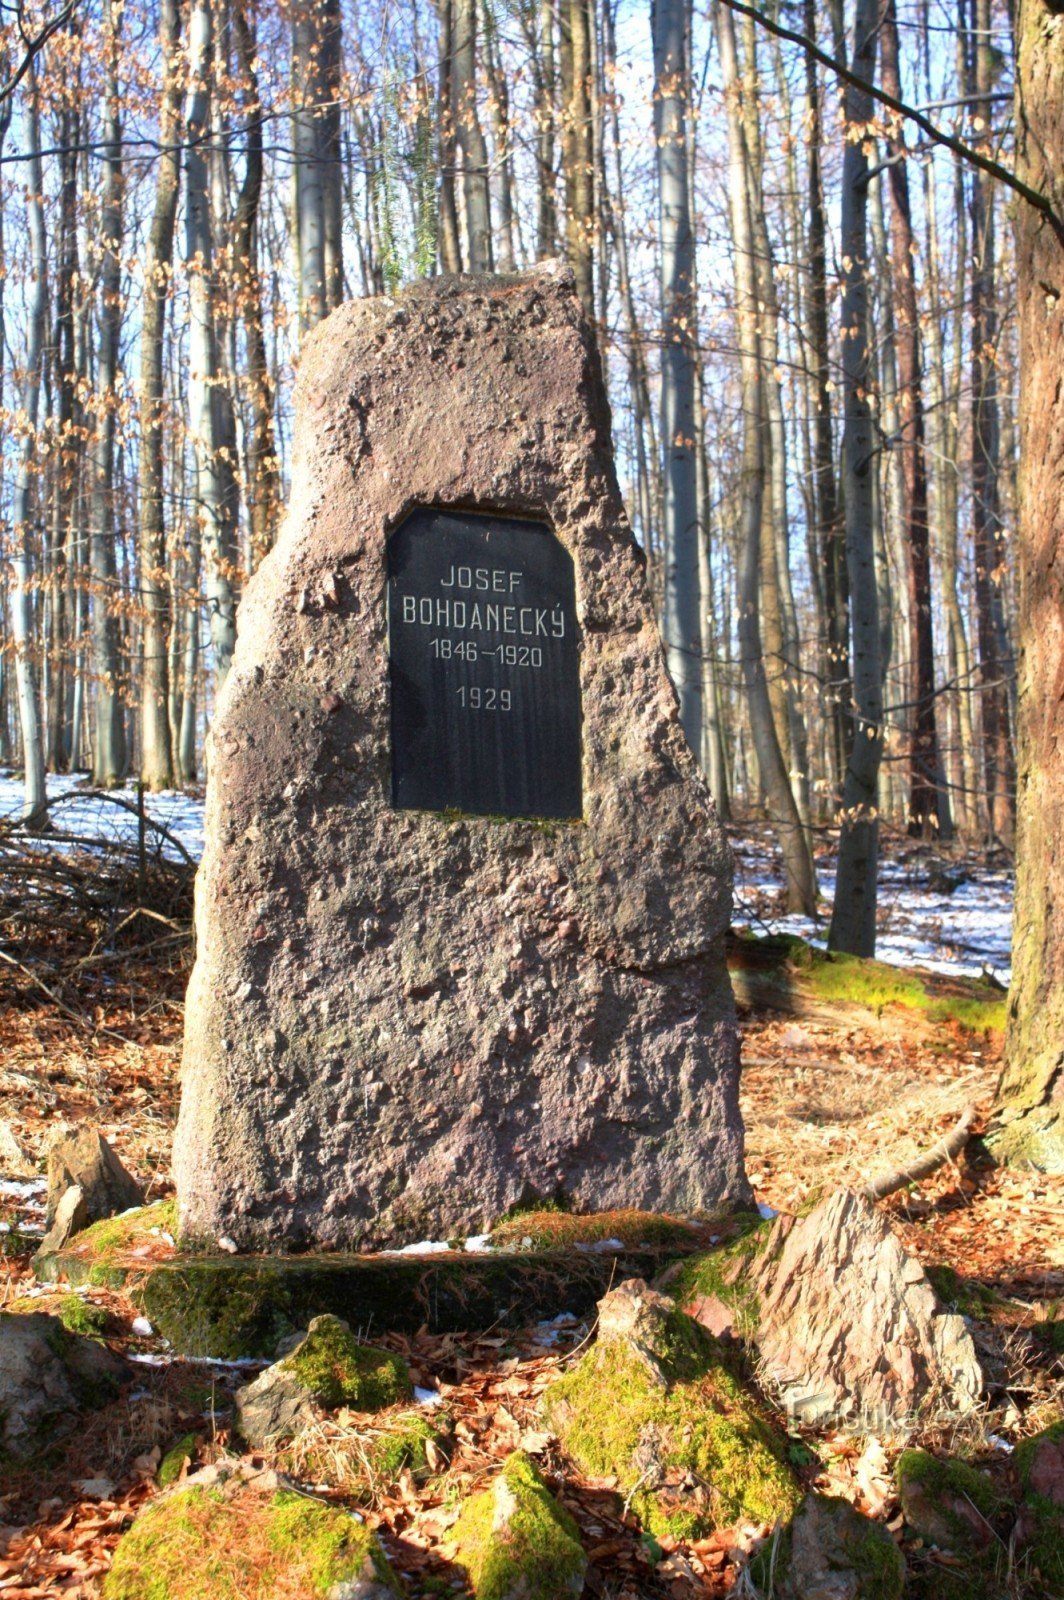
x: 937, y: 1156
x: 975, y: 158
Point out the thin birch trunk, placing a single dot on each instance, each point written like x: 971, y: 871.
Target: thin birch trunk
x: 476, y: 193
x: 578, y: 141
x: 450, y: 245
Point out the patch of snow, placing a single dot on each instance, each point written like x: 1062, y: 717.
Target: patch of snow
x: 766, y: 1211
x: 477, y: 1242
x: 427, y: 1397
x: 599, y: 1246
x: 424, y: 1247
x: 82, y: 815
x: 17, y: 1190
x: 141, y: 1326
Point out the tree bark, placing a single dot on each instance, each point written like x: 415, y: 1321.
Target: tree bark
x: 156, y: 754
x: 853, y: 917
x: 578, y: 145
x: 450, y: 243
x: 1030, y: 1099
x: 681, y: 617
x: 476, y: 192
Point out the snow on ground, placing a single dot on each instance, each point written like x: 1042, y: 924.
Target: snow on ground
x: 923, y: 921
x: 951, y: 919
x: 84, y: 814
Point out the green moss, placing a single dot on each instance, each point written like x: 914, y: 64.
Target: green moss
x: 175, y: 1458
x: 200, y: 1544
x: 554, y: 1227
x: 402, y: 1446
x: 723, y: 1273
x: 950, y: 1477
x: 81, y: 1316
x: 339, y: 1371
x: 703, y: 1443
x: 1043, y: 1518
x: 515, y: 1537
x: 966, y: 1295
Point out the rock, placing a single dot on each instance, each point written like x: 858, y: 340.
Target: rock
x: 516, y: 1542
x: 71, y: 1216
x: 551, y: 994
x: 85, y: 1159
x: 95, y: 1488
x: 1040, y: 1526
x: 48, y: 1377
x: 829, y: 1552
x: 653, y: 1404
x: 326, y: 1368
x: 205, y: 1538
x: 846, y: 1323
x: 947, y: 1503
x: 14, y: 1162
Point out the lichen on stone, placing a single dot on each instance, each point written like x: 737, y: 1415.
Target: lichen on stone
x: 514, y: 1539
x: 656, y: 1404
x: 202, y: 1543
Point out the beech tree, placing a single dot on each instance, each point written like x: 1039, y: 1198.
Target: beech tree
x: 1031, y: 1092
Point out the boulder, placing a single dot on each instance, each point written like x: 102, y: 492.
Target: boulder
x: 326, y: 1367
x: 48, y: 1378
x: 1040, y: 1525
x: 846, y: 1323
x: 655, y: 1405
x: 84, y: 1158
x: 71, y: 1216
x: 947, y: 1503
x: 516, y: 1542
x: 14, y: 1162
x: 211, y: 1535
x: 829, y: 1552
x: 547, y: 986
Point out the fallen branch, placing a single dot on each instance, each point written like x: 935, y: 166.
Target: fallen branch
x: 937, y: 1156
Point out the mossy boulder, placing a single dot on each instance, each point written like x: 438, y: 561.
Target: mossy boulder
x: 829, y: 1551
x: 235, y: 1542
x: 656, y: 1404
x: 180, y: 1455
x: 516, y: 1542
x: 100, y: 1255
x: 948, y: 1503
x: 1040, y: 1527
x: 327, y: 1368
x: 556, y: 1230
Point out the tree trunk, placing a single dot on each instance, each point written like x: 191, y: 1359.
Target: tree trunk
x: 109, y: 742
x: 797, y: 860
x: 156, y: 758
x: 308, y: 170
x: 450, y: 244
x: 579, y: 153
x: 1030, y: 1100
x: 216, y: 489
x: 476, y: 192
x: 22, y: 629
x: 681, y: 624
x: 928, y: 813
x: 853, y: 917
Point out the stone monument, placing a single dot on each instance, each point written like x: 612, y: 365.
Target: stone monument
x: 461, y: 911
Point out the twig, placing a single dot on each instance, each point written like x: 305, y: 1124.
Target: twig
x: 937, y: 1156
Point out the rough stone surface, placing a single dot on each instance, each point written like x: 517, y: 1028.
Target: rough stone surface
x: 947, y: 1503
x: 71, y: 1216
x: 845, y: 1320
x: 830, y: 1552
x: 14, y: 1162
x: 85, y: 1159
x: 401, y: 1023
x: 48, y: 1377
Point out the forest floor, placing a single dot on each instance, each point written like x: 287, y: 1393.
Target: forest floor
x: 826, y: 1102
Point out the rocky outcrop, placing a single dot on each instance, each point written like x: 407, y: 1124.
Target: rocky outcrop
x: 654, y: 1405
x: 325, y: 1368
x: 403, y: 1022
x: 48, y: 1378
x: 516, y: 1542
x: 846, y: 1323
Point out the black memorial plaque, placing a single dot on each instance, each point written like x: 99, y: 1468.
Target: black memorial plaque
x: 485, y: 671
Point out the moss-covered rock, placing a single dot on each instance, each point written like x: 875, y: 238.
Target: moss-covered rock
x: 828, y: 1551
x: 553, y: 1229
x: 717, y: 1288
x: 98, y: 1255
x: 173, y: 1463
x: 219, y: 1543
x: 948, y: 1503
x: 516, y: 1542
x: 1040, y: 1527
x: 48, y: 1377
x: 77, y: 1314
x: 327, y: 1368
x: 656, y: 1404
